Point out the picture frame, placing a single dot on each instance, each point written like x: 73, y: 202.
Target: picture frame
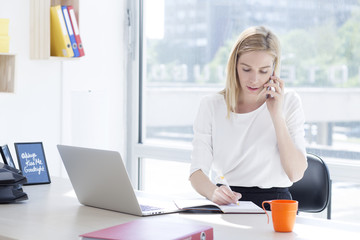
x: 32, y: 162
x: 6, y: 156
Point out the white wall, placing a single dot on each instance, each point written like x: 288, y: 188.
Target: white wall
x: 53, y: 98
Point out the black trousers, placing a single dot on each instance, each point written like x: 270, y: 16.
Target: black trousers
x: 258, y: 195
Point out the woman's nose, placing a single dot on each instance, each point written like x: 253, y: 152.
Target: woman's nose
x: 254, y: 77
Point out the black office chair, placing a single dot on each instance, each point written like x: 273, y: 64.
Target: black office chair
x: 313, y: 191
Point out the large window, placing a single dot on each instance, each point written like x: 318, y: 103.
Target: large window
x: 184, y: 46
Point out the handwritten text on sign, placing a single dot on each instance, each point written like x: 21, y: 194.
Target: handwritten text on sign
x: 32, y: 163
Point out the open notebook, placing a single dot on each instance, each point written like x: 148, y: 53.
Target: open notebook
x: 204, y: 205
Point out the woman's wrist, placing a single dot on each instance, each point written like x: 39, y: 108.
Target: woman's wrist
x: 278, y: 120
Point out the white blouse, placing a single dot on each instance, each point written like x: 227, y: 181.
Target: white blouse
x: 244, y: 147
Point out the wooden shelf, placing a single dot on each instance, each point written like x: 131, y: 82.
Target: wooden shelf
x: 40, y: 26
x: 7, y: 72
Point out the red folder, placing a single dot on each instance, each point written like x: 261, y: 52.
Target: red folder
x: 76, y: 30
x: 154, y: 228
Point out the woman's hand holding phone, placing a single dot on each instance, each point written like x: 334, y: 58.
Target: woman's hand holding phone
x: 275, y: 88
x: 270, y: 88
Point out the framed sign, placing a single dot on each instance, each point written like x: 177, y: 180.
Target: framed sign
x: 6, y: 156
x: 32, y: 162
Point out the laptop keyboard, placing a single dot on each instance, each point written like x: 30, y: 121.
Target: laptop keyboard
x: 148, y: 208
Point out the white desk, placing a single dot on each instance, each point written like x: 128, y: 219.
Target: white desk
x: 53, y: 212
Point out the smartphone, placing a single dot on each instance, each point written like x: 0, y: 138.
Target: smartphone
x: 271, y: 81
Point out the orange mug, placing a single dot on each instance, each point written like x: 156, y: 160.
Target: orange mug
x: 283, y: 214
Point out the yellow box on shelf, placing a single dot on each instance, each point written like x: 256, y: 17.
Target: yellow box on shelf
x: 4, y: 44
x: 4, y: 26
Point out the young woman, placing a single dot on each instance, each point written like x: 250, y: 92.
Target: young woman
x: 252, y: 132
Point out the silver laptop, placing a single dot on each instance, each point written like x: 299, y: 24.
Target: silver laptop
x: 100, y: 180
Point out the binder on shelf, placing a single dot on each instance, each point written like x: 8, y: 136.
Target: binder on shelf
x: 76, y: 30
x: 60, y: 41
x: 70, y: 31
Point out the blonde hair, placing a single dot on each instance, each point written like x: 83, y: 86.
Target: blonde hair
x: 256, y: 38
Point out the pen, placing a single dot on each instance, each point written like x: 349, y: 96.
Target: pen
x: 225, y: 183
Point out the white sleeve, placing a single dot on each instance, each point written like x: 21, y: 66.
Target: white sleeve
x: 295, y: 120
x: 202, y: 153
